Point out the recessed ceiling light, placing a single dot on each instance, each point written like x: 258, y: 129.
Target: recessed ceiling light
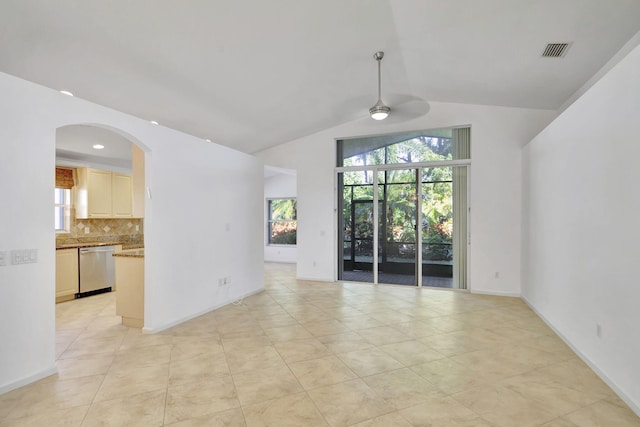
x: 153, y: 122
x: 66, y: 92
x: 208, y: 140
x: 98, y: 146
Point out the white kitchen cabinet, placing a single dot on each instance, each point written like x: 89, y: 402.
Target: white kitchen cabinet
x: 137, y: 181
x: 103, y: 194
x: 130, y: 285
x: 66, y: 274
x: 121, y: 202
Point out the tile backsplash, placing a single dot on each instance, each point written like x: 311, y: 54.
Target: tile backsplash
x: 128, y: 231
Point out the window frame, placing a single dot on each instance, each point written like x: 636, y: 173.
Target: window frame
x: 65, y: 207
x: 270, y: 221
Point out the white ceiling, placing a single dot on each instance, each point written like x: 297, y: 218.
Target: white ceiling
x: 74, y: 147
x: 251, y: 74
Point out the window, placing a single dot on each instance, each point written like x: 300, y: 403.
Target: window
x: 62, y: 203
x: 402, y: 206
x: 410, y: 147
x: 282, y: 221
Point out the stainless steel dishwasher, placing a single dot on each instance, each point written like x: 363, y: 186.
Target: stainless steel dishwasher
x: 97, y: 270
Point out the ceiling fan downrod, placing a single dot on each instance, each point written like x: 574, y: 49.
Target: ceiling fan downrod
x: 379, y: 111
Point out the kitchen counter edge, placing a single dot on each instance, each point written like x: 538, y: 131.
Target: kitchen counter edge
x: 94, y: 244
x: 130, y: 253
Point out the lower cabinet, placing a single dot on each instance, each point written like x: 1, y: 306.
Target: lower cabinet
x: 130, y: 294
x: 66, y: 274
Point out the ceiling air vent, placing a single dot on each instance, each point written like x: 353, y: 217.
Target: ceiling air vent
x: 555, y: 50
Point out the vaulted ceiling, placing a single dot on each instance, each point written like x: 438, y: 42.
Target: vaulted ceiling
x: 251, y: 74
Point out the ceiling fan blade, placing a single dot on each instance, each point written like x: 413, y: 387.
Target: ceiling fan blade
x: 395, y: 99
x: 404, y: 107
x: 408, y: 111
x: 353, y: 109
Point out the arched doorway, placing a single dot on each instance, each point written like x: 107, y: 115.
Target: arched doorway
x: 118, y: 159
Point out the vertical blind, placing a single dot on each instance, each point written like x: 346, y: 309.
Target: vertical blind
x: 461, y: 150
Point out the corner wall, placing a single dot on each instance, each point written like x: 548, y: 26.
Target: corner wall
x: 497, y: 137
x: 188, y: 180
x: 581, y: 204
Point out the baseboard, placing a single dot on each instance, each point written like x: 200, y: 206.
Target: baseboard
x: 496, y: 293
x: 28, y: 380
x: 315, y: 279
x: 171, y: 324
x: 279, y: 261
x: 634, y: 407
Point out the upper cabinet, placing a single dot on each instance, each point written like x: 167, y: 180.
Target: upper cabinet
x: 103, y: 194
x: 121, y: 190
x: 94, y: 193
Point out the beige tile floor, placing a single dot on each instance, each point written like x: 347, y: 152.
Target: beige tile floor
x: 317, y: 354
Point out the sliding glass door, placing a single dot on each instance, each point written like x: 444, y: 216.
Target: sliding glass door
x: 437, y: 227
x: 405, y: 202
x: 357, y: 231
x: 399, y: 215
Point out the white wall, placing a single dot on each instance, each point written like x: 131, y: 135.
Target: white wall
x: 581, y: 204
x: 498, y: 135
x: 197, y: 228
x: 280, y: 186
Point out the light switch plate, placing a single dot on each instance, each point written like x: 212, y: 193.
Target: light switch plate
x: 3, y: 259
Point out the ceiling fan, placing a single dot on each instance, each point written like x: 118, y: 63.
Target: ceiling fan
x: 379, y: 111
x: 406, y: 106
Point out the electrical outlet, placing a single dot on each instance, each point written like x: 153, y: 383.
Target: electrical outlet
x: 224, y: 281
x: 598, y: 330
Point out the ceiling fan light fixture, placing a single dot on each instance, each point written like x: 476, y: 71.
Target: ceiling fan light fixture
x: 379, y: 111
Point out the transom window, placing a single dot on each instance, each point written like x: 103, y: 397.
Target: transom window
x: 411, y: 147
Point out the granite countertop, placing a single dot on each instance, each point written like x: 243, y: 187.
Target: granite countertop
x: 94, y: 244
x: 85, y: 245
x: 132, y: 246
x: 131, y: 253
